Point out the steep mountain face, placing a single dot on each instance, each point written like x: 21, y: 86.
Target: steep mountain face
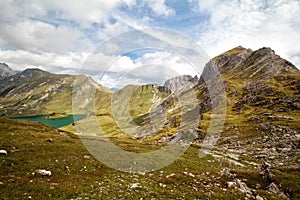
x: 5, y: 71
x: 263, y: 104
x: 36, y: 92
x: 245, y: 63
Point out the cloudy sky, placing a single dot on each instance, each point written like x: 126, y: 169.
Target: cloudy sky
x: 59, y: 36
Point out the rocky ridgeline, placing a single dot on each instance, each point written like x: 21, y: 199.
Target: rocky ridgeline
x: 11, y: 82
x: 246, y: 63
x: 26, y: 92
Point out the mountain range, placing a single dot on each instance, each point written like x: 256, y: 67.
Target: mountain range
x: 262, y: 123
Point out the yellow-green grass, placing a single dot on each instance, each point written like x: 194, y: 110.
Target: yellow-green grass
x: 75, y: 173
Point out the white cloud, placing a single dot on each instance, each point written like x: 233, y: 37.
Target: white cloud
x: 160, y: 8
x: 49, y: 33
x: 62, y: 33
x: 37, y: 36
x: 253, y: 24
x: 166, y: 59
x: 82, y: 12
x: 155, y: 67
x: 112, y: 29
x: 117, y: 80
x: 19, y: 60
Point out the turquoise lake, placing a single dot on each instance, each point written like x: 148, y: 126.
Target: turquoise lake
x: 55, y: 122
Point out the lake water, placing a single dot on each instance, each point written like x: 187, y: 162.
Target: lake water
x: 55, y: 122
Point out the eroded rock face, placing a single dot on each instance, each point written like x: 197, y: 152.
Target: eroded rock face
x: 176, y: 83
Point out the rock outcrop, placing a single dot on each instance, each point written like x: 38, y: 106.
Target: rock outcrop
x: 173, y: 84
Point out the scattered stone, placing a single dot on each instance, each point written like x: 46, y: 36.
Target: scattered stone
x: 11, y: 180
x: 243, y: 188
x: 225, y: 172
x: 273, y: 188
x: 134, y: 185
x: 44, y: 172
x: 231, y: 184
x: 170, y: 175
x: 266, y: 172
x: 259, y: 197
x: 50, y: 140
x: 63, y: 133
x: 261, y: 156
x: 162, y: 185
x: 257, y: 186
x: 3, y: 152
x: 189, y: 174
x: 14, y: 149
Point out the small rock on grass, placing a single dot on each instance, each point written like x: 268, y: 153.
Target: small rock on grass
x: 3, y: 152
x: 44, y: 172
x: 134, y: 185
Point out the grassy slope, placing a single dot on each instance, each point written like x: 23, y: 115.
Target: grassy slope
x: 75, y: 176
x: 32, y: 100
x: 46, y: 93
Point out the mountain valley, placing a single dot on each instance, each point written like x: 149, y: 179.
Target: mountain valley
x: 256, y: 155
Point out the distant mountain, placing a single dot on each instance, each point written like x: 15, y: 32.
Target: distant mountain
x: 5, y: 71
x: 36, y: 92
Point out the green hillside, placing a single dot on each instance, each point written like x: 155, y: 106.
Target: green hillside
x: 76, y: 174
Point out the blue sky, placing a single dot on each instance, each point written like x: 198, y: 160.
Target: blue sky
x: 58, y: 36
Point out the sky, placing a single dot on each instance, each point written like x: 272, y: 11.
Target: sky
x: 60, y: 36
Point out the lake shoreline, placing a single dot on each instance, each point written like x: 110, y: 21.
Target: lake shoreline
x: 56, y: 122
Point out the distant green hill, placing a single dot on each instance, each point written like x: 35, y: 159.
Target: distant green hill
x: 37, y: 92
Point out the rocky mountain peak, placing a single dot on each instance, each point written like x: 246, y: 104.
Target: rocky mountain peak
x: 5, y: 71
x: 177, y: 82
x: 263, y: 63
x: 264, y: 51
x: 2, y: 65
